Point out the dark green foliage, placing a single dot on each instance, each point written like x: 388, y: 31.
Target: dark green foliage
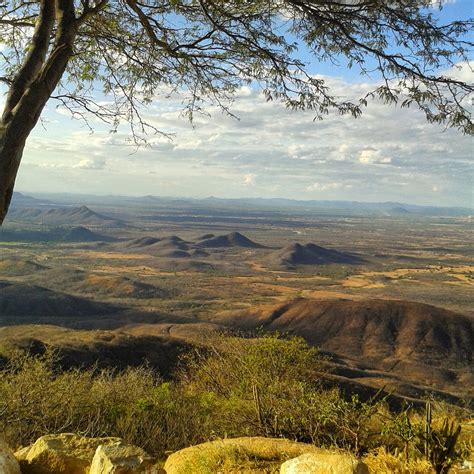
x: 230, y: 387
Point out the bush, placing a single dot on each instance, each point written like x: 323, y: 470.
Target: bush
x: 270, y: 385
x: 134, y: 405
x: 231, y: 387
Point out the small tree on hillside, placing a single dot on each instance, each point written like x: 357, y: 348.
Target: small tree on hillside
x: 206, y: 49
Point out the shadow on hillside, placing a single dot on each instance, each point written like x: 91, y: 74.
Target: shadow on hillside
x: 22, y: 304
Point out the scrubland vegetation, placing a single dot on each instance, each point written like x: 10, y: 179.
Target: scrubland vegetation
x: 231, y: 386
x: 129, y: 324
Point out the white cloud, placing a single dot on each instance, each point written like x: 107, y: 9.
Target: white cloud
x: 249, y: 179
x: 437, y: 3
x: 97, y: 163
x: 327, y: 186
x: 387, y: 154
x: 463, y: 71
x: 370, y: 156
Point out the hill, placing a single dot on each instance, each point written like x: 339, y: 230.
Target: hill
x: 22, y: 303
x: 411, y: 341
x: 23, y: 200
x: 234, y: 239
x: 175, y: 247
x: 82, y: 234
x: 148, y: 243
x: 81, y: 282
x: 56, y: 234
x: 309, y: 254
x: 138, y: 243
x: 20, y: 266
x: 61, y: 216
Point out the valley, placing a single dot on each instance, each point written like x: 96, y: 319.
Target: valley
x: 386, y: 295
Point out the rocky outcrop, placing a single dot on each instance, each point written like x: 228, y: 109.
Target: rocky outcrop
x: 249, y: 454
x: 120, y: 458
x: 8, y: 463
x: 69, y: 453
x: 324, y: 462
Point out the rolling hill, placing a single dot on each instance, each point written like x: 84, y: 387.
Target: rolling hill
x: 175, y: 247
x: 56, y: 234
x: 77, y: 281
x: 234, y: 239
x: 61, y: 216
x: 309, y: 254
x: 23, y: 200
x: 23, y: 303
x: 20, y: 267
x: 154, y: 244
x: 415, y: 342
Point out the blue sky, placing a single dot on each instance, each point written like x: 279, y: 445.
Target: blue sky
x: 387, y: 154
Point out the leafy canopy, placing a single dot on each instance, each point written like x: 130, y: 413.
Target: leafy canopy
x: 206, y: 49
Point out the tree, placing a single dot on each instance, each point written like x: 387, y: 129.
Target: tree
x: 65, y: 49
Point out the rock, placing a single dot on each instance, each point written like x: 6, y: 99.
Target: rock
x: 8, y: 463
x: 324, y: 462
x: 120, y: 458
x: 249, y: 454
x: 65, y: 453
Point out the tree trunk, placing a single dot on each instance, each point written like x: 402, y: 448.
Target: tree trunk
x: 10, y: 158
x: 32, y: 87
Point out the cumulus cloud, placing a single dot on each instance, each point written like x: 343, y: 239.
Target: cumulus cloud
x: 387, y: 154
x: 249, y: 179
x: 327, y: 186
x: 370, y: 156
x: 96, y: 163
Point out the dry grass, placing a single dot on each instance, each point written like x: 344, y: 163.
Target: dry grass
x: 382, y: 462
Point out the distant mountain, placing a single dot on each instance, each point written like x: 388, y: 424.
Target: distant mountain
x: 234, y: 239
x: 64, y: 216
x: 206, y: 236
x: 58, y: 234
x: 171, y: 243
x: 397, y: 211
x: 139, y: 243
x: 352, y: 207
x: 155, y: 244
x: 22, y: 200
x: 170, y: 253
x: 421, y: 343
x: 309, y: 254
x: 82, y: 234
x: 249, y: 206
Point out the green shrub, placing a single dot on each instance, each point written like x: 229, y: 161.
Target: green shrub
x: 230, y: 387
x: 270, y: 385
x: 135, y: 405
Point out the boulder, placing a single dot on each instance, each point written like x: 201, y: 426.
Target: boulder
x: 65, y: 453
x: 324, y: 462
x: 120, y: 458
x: 8, y: 463
x: 248, y: 454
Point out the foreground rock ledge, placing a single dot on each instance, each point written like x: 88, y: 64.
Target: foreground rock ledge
x: 69, y: 453
x: 324, y: 462
x: 121, y: 458
x: 8, y: 463
x: 257, y: 454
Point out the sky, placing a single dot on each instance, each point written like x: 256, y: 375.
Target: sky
x: 389, y: 154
